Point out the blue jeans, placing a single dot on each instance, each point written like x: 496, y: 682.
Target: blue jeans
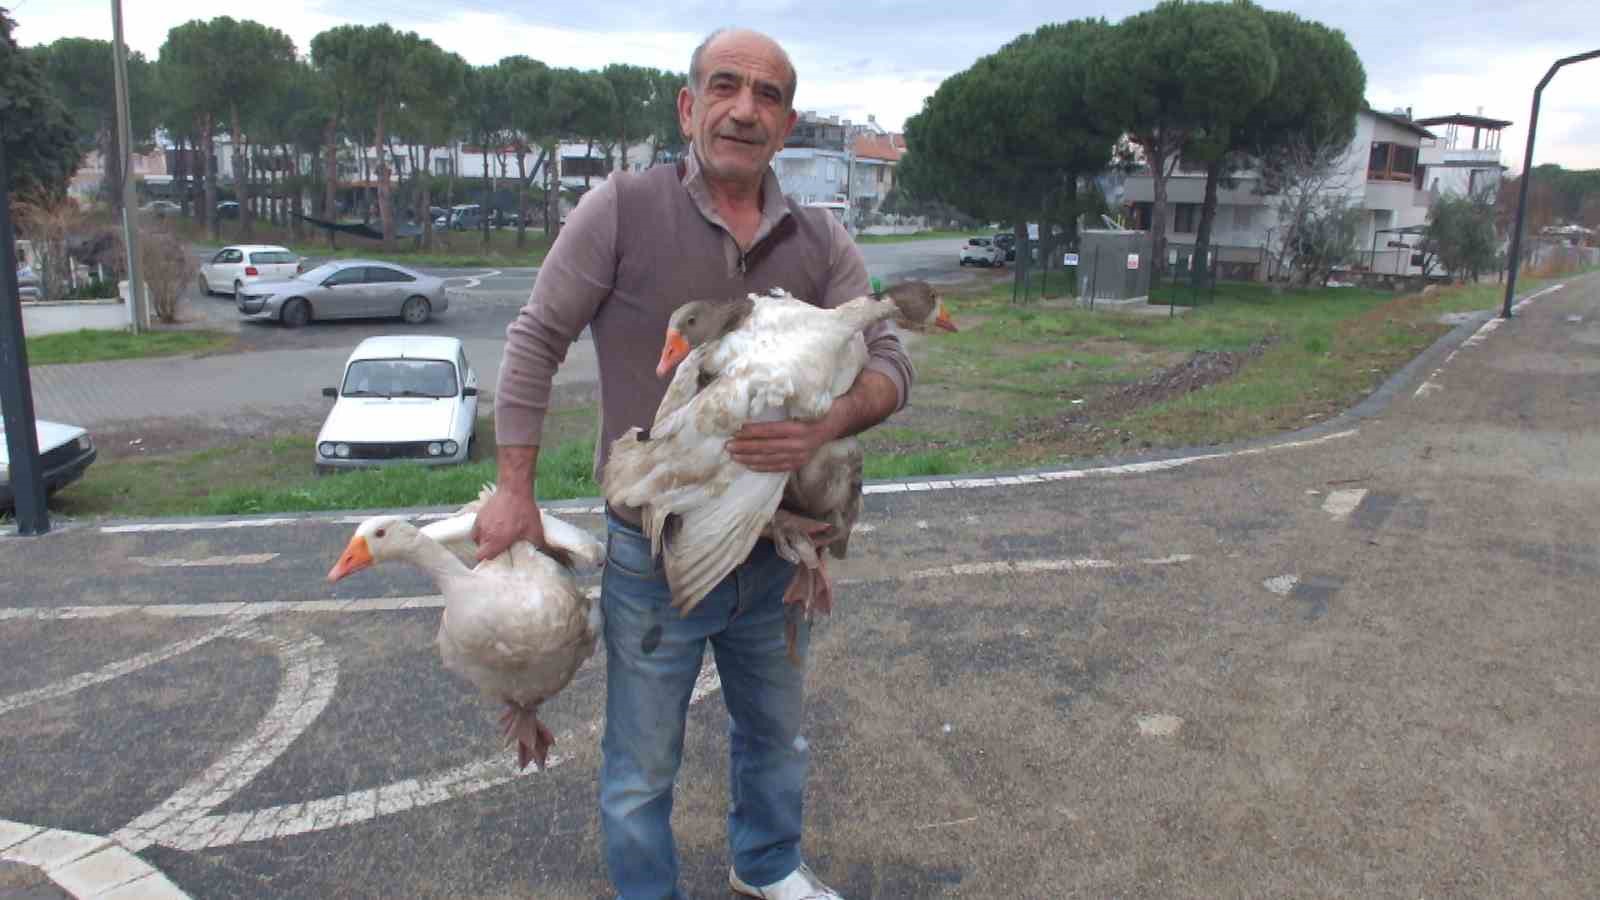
x: 653, y: 654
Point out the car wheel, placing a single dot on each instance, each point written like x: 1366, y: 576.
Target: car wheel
x: 238, y: 288
x: 295, y: 313
x: 200, y: 282
x: 472, y: 448
x: 416, y: 310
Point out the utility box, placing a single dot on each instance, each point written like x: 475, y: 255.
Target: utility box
x: 1113, y: 266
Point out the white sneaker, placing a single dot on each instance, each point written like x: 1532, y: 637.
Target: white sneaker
x: 801, y: 884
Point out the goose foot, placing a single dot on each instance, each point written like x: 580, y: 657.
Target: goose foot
x: 522, y: 727
x: 810, y: 594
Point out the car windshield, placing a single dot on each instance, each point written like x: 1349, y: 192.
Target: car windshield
x: 320, y: 273
x: 400, y: 378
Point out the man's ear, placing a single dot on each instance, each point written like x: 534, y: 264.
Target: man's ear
x: 686, y: 113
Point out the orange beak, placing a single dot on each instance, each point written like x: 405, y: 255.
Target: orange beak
x: 673, y: 353
x: 356, y: 557
x: 944, y: 320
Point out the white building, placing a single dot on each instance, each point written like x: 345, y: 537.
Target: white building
x: 1385, y: 173
x: 1455, y: 166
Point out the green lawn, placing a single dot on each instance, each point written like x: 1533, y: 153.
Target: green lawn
x: 96, y: 346
x: 452, y: 249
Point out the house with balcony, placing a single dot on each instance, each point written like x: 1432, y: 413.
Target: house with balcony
x: 1383, y: 173
x: 827, y: 160
x: 1457, y: 165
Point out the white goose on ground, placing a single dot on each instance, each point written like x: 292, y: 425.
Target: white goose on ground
x: 760, y: 358
x: 517, y: 626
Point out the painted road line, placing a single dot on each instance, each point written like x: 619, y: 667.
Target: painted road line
x: 1340, y: 504
x: 360, y: 806
x: 196, y: 526
x: 114, y: 670
x: 310, y: 675
x: 243, y: 559
x: 85, y: 865
x: 1431, y: 383
x: 252, y: 611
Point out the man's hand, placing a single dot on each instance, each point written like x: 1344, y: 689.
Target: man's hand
x: 780, y: 446
x: 510, y: 514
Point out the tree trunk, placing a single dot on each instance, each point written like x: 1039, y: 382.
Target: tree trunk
x: 450, y: 194
x: 487, y: 193
x: 588, y: 152
x: 181, y: 165
x: 330, y: 186
x: 552, y: 203
x: 522, y: 196
x: 241, y: 176
x: 1202, y: 238
x: 622, y: 142
x: 206, y: 152
x: 385, y: 202
x: 111, y: 158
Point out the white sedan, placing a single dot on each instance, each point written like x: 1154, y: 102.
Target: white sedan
x: 65, y: 451
x: 403, y: 399
x: 241, y: 265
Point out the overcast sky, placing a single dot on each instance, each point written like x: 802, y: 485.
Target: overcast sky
x: 860, y: 57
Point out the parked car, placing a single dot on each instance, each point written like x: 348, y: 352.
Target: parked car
x: 1006, y: 241
x: 981, y: 251
x: 161, y: 208
x: 462, y: 217
x: 347, y: 289
x: 27, y: 284
x: 65, y: 451
x: 227, y: 209
x: 403, y: 398
x: 243, y: 265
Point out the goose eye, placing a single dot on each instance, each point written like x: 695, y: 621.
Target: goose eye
x: 380, y: 532
x: 689, y: 321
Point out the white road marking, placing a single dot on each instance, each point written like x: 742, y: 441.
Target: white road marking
x: 243, y: 559
x: 472, y: 280
x: 84, y: 865
x: 310, y: 675
x: 893, y: 487
x: 1340, y: 504
x: 1159, y: 725
x: 112, y: 670
x: 1431, y: 384
x: 1281, y: 584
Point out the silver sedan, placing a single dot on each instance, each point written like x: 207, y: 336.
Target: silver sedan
x: 347, y: 289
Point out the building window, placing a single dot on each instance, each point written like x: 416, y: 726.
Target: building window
x: 1243, y: 217
x: 442, y: 165
x: 1184, y: 218
x: 1391, y: 162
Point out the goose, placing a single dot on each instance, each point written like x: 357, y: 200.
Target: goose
x: 760, y: 358
x: 517, y: 626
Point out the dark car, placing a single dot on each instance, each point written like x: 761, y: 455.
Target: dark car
x: 1006, y: 241
x: 227, y: 209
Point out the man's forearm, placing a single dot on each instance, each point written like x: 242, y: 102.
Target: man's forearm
x: 517, y: 465
x: 873, y: 398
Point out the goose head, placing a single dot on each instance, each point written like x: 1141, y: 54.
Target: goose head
x: 696, y: 323
x: 375, y: 540
x: 918, y: 306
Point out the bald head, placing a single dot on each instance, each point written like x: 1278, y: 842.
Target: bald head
x: 754, y: 40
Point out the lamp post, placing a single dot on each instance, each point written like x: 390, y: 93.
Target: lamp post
x: 1513, y: 259
x: 130, y: 223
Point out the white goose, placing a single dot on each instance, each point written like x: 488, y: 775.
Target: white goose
x: 761, y: 358
x: 516, y: 626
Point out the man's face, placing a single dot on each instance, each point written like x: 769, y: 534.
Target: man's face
x: 739, y: 117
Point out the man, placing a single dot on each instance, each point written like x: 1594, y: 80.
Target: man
x: 715, y: 226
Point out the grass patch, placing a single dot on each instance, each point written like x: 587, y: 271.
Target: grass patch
x: 96, y: 346
x: 277, y: 476
x: 937, y: 235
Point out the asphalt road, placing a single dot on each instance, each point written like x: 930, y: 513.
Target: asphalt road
x: 279, y: 373
x: 1358, y: 661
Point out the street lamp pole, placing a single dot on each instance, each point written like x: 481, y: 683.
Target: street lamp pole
x: 1513, y: 259
x: 130, y: 226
